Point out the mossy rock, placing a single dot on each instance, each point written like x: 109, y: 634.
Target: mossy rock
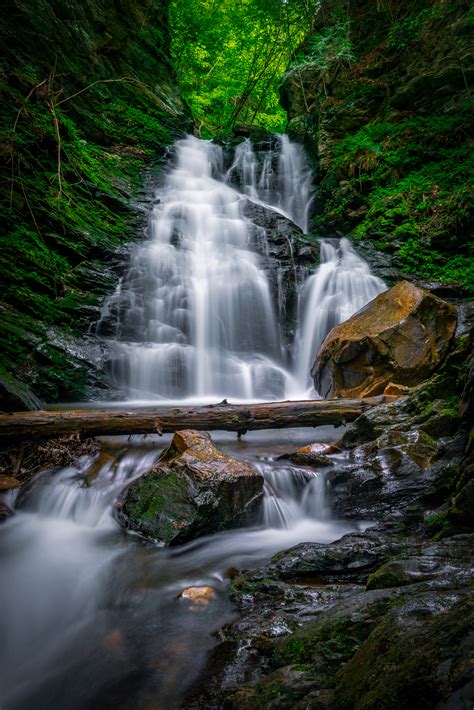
x: 194, y: 490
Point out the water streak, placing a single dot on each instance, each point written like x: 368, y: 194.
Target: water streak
x: 83, y: 607
x: 340, y: 287
x: 195, y: 318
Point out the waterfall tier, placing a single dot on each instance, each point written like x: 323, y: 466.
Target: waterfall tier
x: 206, y: 308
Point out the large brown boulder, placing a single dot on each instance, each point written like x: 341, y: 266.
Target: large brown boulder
x: 195, y: 489
x: 400, y: 338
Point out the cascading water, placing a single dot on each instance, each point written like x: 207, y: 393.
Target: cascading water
x: 90, y: 617
x: 194, y: 317
x: 340, y: 287
x: 282, y: 180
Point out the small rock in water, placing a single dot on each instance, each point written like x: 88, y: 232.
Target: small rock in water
x: 197, y: 596
x: 315, y: 454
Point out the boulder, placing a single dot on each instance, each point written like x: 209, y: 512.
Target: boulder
x: 194, y: 490
x: 399, y: 338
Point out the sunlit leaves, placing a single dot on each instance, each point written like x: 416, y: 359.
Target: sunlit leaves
x: 230, y: 56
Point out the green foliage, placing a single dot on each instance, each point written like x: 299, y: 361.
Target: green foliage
x: 327, y: 49
x: 403, y: 32
x: 416, y: 177
x: 230, y: 56
x: 80, y: 112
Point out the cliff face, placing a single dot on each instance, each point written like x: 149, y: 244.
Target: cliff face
x: 88, y: 103
x: 382, y: 93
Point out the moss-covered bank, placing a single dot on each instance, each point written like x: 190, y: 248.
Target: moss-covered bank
x: 383, y: 93
x: 87, y: 100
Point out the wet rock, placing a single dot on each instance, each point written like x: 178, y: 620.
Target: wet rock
x: 197, y: 598
x: 400, y: 337
x: 304, y: 646
x: 315, y: 454
x: 446, y: 561
x: 287, y: 255
x: 349, y: 559
x: 384, y: 478
x: 394, y: 390
x: 194, y: 490
x: 7, y: 483
x: 427, y: 645
x: 462, y: 510
x: 102, y: 461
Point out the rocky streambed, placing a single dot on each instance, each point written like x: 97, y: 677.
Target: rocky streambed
x: 381, y: 618
x: 306, y: 569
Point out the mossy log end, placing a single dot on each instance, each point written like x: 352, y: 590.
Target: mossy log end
x: 162, y: 420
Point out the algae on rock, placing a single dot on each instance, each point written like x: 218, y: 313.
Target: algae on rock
x: 194, y: 490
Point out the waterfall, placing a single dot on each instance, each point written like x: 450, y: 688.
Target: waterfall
x: 340, y: 286
x: 282, y: 180
x: 195, y: 318
x: 292, y: 495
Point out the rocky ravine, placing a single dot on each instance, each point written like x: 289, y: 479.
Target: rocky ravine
x: 379, y: 619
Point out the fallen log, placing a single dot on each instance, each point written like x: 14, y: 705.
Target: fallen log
x: 162, y: 420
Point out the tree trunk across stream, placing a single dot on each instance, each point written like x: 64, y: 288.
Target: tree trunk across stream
x: 228, y: 417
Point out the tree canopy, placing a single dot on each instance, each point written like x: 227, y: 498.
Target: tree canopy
x: 230, y: 55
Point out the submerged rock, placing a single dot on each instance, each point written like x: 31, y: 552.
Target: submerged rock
x: 196, y: 597
x: 315, y: 454
x: 399, y: 338
x: 5, y: 512
x: 195, y: 489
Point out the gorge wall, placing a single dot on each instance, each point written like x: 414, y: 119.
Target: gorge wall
x: 87, y: 109
x: 381, y: 92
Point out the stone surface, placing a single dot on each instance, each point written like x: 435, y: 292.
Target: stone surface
x: 315, y: 454
x: 298, y: 644
x: 197, y: 596
x: 7, y: 483
x: 399, y: 338
x: 194, y: 490
x: 286, y: 254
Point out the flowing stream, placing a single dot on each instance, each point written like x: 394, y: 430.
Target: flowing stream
x: 91, y: 616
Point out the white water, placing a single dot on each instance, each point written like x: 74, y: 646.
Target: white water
x: 340, y: 287
x: 195, y: 319
x: 89, y: 617
x: 83, y: 605
x: 282, y: 181
x: 195, y: 315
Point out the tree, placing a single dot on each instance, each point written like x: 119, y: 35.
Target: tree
x: 230, y: 54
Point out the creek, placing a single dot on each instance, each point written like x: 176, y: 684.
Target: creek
x: 91, y: 615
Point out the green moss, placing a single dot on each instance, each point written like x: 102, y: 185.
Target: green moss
x: 415, y: 179
x: 394, y: 130
x: 78, y: 129
x: 398, y: 665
